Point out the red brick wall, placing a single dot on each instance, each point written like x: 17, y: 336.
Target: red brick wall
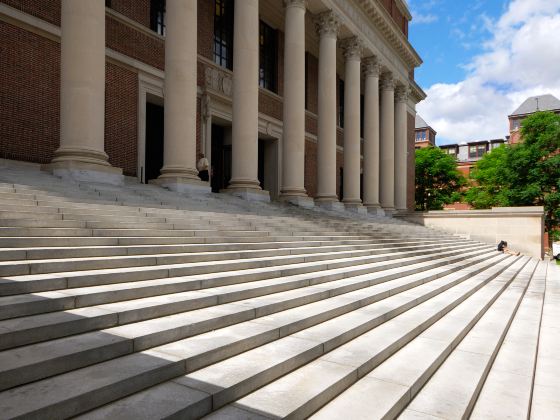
x: 311, y: 124
x: 121, y: 118
x: 48, y: 10
x: 311, y: 168
x: 411, y: 178
x: 137, y: 10
x: 270, y: 106
x: 205, y: 28
x: 29, y: 95
x: 135, y: 44
x: 312, y: 88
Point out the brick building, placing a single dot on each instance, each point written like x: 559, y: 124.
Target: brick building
x: 468, y: 153
x: 528, y: 107
x: 424, y: 134
x: 324, y: 110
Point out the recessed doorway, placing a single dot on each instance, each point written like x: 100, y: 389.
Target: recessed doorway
x: 154, y: 142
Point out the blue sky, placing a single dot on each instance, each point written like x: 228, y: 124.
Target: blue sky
x: 482, y: 58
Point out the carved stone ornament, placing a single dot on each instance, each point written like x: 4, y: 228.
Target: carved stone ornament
x: 327, y: 24
x: 218, y: 81
x: 352, y: 47
x: 372, y: 66
x: 205, y: 106
x: 401, y: 93
x: 296, y: 3
x: 387, y: 81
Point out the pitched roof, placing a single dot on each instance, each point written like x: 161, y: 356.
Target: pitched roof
x: 420, y: 123
x: 545, y: 103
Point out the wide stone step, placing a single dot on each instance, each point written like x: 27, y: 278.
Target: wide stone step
x: 292, y: 264
x: 61, y: 265
x: 453, y: 389
x: 26, y: 330
x: 400, y: 378
x: 300, y: 393
x: 125, y: 375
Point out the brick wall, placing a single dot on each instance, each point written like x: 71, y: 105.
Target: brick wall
x: 270, y: 106
x: 411, y: 178
x: 205, y: 28
x: 310, y: 168
x: 135, y: 44
x: 137, y: 10
x: 312, y: 87
x: 48, y: 10
x: 121, y: 118
x: 29, y: 95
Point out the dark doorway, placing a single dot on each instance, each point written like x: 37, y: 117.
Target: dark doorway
x: 154, y: 142
x: 221, y: 160
x: 341, y: 185
x: 261, y: 164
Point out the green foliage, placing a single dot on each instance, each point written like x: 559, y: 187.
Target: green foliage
x: 527, y: 174
x: 438, y: 181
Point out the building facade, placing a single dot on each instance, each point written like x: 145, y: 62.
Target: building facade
x: 468, y: 153
x: 306, y: 101
x: 528, y: 107
x: 424, y: 134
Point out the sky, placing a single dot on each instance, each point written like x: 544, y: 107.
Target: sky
x: 482, y: 59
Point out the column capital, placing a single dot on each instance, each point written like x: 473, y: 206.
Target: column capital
x: 353, y: 48
x: 372, y: 66
x: 295, y: 3
x: 387, y: 81
x: 401, y: 93
x: 327, y: 24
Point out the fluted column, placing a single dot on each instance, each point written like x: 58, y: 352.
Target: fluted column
x: 401, y: 97
x: 245, y: 111
x: 387, y: 143
x: 327, y: 28
x: 81, y: 154
x: 179, y: 171
x: 371, y: 134
x: 293, y: 172
x: 352, y: 53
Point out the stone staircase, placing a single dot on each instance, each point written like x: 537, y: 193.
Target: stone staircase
x: 134, y: 302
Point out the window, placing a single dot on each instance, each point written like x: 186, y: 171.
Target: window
x: 107, y: 3
x: 157, y: 16
x: 477, y: 151
x: 341, y: 104
x: 223, y: 33
x: 268, y: 57
x: 515, y: 124
x: 423, y: 135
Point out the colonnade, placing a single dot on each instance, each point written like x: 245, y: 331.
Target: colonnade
x: 385, y: 132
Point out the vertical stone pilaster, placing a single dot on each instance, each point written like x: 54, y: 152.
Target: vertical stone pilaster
x: 81, y: 154
x: 352, y: 53
x: 293, y: 173
x: 387, y: 144
x: 327, y: 25
x: 401, y: 152
x: 372, y: 70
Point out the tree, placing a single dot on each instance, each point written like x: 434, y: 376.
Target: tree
x: 527, y: 174
x: 438, y: 181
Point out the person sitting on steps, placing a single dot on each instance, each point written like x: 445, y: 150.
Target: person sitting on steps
x: 502, y: 247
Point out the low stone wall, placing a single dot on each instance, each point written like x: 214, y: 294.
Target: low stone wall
x: 521, y: 227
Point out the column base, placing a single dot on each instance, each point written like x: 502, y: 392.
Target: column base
x: 298, y: 200
x: 182, y: 185
x: 374, y: 209
x: 249, y: 194
x: 75, y: 170
x: 355, y: 208
x: 329, y: 203
x: 389, y: 211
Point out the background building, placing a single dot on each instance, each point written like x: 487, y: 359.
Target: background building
x: 295, y: 99
x: 468, y: 153
x: 530, y: 106
x: 424, y: 135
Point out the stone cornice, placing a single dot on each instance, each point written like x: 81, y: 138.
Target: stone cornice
x: 353, y: 48
x: 327, y: 24
x: 416, y: 92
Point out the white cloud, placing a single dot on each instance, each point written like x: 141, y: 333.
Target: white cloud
x: 521, y: 59
x: 419, y: 18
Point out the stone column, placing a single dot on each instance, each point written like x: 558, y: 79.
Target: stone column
x: 293, y: 158
x: 371, y: 134
x: 352, y: 53
x: 245, y: 127
x: 401, y: 149
x: 327, y: 28
x: 81, y: 154
x: 179, y: 171
x: 387, y: 144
